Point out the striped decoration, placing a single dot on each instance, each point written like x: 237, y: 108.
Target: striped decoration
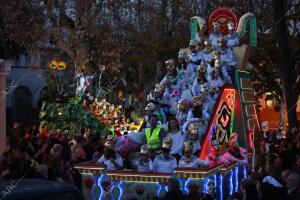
x: 226, y: 169
x: 90, y: 171
x: 139, y: 178
x: 196, y: 173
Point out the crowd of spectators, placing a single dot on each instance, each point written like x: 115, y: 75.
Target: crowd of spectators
x: 51, y: 155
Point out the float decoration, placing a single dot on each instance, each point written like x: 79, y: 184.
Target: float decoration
x: 223, y: 16
x: 57, y: 65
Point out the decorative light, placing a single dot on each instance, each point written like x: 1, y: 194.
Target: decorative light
x: 269, y: 100
x: 230, y: 182
x: 221, y: 186
x: 61, y: 66
x: 53, y: 64
x: 236, y: 177
x: 120, y: 189
x: 57, y: 65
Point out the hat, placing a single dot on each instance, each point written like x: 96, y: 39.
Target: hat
x: 272, y: 181
x: 216, y: 24
x: 193, y: 43
x: 175, y: 93
x: 167, y: 143
x: 201, y: 68
x: 159, y: 88
x: 188, y: 146
x: 110, y: 141
x: 265, y: 124
x: 230, y: 25
x: 216, y: 54
x: 197, y: 101
x: 222, y: 40
x: 150, y: 107
x: 192, y: 129
x: 145, y: 148
x: 57, y: 148
x: 193, y: 132
x: 206, y: 42
x: 170, y: 64
x: 217, y: 63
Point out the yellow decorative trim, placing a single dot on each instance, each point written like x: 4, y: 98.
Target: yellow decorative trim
x: 226, y: 169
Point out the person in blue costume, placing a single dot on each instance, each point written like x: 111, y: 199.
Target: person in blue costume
x: 189, y: 159
x: 197, y: 115
x: 200, y: 83
x: 206, y: 55
x: 194, y: 138
x: 193, y: 61
x: 165, y: 162
x: 227, y: 59
x: 215, y: 36
x: 182, y: 67
x: 170, y: 81
x: 182, y: 112
x: 217, y: 77
x: 160, y: 100
x: 232, y: 37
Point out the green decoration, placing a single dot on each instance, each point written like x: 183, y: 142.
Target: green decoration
x: 193, y: 29
x: 253, y: 32
x: 71, y: 117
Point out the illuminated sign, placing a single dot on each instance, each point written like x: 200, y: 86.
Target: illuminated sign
x: 220, y: 126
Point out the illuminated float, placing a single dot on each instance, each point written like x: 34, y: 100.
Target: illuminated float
x: 234, y: 110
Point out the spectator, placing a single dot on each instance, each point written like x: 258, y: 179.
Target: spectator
x: 177, y: 138
x: 111, y: 158
x: 293, y: 184
x: 288, y: 156
x: 144, y: 163
x: 249, y: 190
x: 154, y: 134
x: 173, y: 190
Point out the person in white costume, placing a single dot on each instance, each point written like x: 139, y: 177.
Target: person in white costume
x: 111, y: 158
x: 193, y: 61
x: 193, y: 137
x: 198, y: 116
x: 177, y: 138
x: 182, y: 112
x: 201, y: 83
x: 232, y: 37
x: 165, y: 162
x: 144, y: 163
x: 215, y: 36
x: 189, y: 159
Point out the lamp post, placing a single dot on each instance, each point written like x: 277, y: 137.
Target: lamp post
x: 5, y: 68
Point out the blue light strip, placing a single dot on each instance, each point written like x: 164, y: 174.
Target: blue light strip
x: 159, y: 189
x: 215, y: 180
x: 204, y: 186
x: 186, y: 185
x: 236, y: 178
x: 230, y: 182
x: 101, y: 189
x: 244, y: 171
x: 120, y: 189
x: 221, y: 186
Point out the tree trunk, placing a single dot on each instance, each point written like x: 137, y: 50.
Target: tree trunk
x: 284, y: 57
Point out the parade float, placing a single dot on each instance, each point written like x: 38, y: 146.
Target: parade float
x: 234, y: 111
